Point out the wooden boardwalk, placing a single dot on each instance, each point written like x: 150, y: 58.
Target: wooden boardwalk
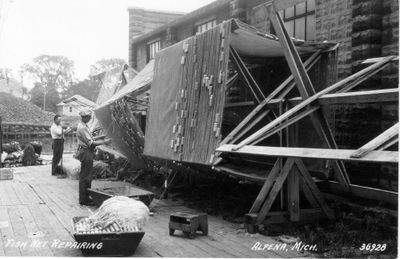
x: 36, y: 206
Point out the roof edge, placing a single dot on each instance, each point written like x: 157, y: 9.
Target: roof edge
x: 189, y: 16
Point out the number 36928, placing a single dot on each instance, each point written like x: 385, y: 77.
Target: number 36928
x: 373, y: 247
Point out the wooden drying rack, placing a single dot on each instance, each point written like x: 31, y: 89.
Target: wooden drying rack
x: 289, y: 166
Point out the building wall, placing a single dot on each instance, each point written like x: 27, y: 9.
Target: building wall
x: 142, y: 21
x: 64, y: 110
x: 138, y: 55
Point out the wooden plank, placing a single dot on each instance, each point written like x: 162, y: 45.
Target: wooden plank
x: 245, y: 77
x: 230, y: 171
x: 275, y: 190
x: 266, y: 187
x: 254, y: 123
x: 239, y: 104
x: 360, y: 191
x: 32, y: 230
x: 314, y: 189
x: 362, y: 78
x: 389, y: 143
x: 286, y: 124
x: 315, y: 153
x: 375, y: 60
x: 293, y: 188
x: 19, y: 230
x: 7, y: 233
x: 370, y: 96
x: 380, y: 140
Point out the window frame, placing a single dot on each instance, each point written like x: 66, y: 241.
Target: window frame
x: 295, y: 17
x: 148, y: 48
x: 206, y: 21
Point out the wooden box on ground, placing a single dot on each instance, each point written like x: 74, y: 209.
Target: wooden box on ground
x: 189, y: 224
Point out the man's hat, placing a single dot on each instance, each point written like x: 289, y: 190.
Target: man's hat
x: 85, y: 112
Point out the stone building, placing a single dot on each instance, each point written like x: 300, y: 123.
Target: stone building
x: 364, y: 28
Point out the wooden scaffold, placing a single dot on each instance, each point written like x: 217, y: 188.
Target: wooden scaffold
x: 289, y: 174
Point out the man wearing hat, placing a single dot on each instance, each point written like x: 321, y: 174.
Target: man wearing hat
x: 85, y: 154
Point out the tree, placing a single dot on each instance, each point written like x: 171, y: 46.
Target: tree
x: 104, y: 65
x: 53, y: 74
x: 88, y: 88
x: 5, y: 73
x: 51, y: 100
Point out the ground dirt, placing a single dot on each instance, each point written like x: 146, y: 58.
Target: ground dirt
x: 345, y: 236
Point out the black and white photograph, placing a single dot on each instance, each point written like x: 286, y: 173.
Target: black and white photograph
x: 199, y: 128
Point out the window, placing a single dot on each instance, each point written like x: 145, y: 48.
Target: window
x: 300, y: 20
x: 202, y: 27
x: 70, y: 109
x: 152, y: 49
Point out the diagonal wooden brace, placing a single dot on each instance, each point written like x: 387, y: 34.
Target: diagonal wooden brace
x: 306, y: 89
x: 382, y: 139
x: 275, y: 190
x: 245, y: 74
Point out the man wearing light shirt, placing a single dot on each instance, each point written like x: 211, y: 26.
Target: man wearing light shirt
x: 57, y: 134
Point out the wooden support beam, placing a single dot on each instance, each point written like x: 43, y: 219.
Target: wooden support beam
x: 275, y: 190
x: 375, y: 60
x: 246, y: 75
x: 380, y: 140
x: 262, y: 195
x: 249, y: 127
x: 362, y: 79
x: 230, y: 171
x: 306, y: 89
x: 307, y: 192
x: 288, y: 83
x: 296, y: 66
x: 314, y: 153
x: 304, y: 104
x: 370, y: 96
x: 287, y: 90
x: 360, y: 191
x: 286, y: 124
x: 293, y: 189
x: 239, y: 104
x: 314, y: 189
x: 389, y: 143
x: 231, y: 81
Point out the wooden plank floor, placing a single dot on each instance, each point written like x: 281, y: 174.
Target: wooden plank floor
x: 36, y: 206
